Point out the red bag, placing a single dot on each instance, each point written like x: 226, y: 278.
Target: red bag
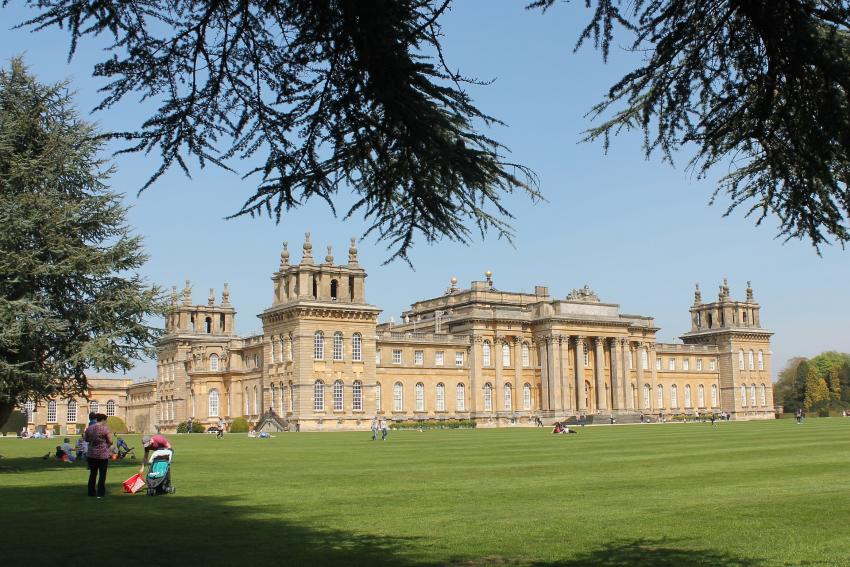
x: 134, y: 484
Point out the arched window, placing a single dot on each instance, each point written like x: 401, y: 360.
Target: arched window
x: 337, y: 345
x: 488, y: 397
x: 318, y: 396
x: 750, y: 357
x: 357, y: 396
x: 208, y: 325
x: 743, y: 394
x: 93, y: 406
x: 687, y: 395
x: 714, y: 395
x: 420, y: 396
x: 740, y: 359
x: 460, y: 398
x: 319, y: 345
x: 701, y: 396
x: 646, y: 396
x: 338, y: 396
x: 30, y: 407
x: 291, y: 394
x: 357, y: 347
x: 526, y: 355
x: 51, y: 411
x: 256, y: 402
x: 398, y: 397
x: 72, y: 412
x: 485, y: 353
x: 752, y: 394
x: 334, y: 289
x: 247, y: 401
x: 273, y: 347
x: 214, y: 361
x: 644, y: 359
x: 763, y: 395
x: 586, y: 354
x: 283, y: 398
x: 441, y: 397
x: 110, y: 408
x: 761, y: 360
x: 660, y: 397
x: 674, y: 396
x: 377, y: 396
x: 526, y: 396
x: 213, y: 402
x: 272, y: 396
x: 506, y: 355
x: 509, y: 398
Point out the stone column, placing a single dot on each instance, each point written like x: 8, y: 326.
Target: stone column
x: 563, y: 375
x: 518, y: 382
x: 554, y: 380
x: 626, y: 379
x: 616, y: 383
x: 499, y: 343
x: 474, y: 371
x: 653, y: 370
x: 579, y: 374
x: 601, y: 397
x: 544, y: 373
x: 639, y: 346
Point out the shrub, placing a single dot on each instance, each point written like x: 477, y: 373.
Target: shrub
x: 239, y: 425
x: 197, y: 427
x: 116, y: 424
x: 434, y: 424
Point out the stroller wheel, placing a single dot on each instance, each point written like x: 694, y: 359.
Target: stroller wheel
x: 171, y: 490
x: 151, y: 491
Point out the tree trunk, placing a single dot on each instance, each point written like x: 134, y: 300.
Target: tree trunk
x: 6, y: 409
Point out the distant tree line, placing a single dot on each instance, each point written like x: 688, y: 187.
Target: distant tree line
x: 820, y: 384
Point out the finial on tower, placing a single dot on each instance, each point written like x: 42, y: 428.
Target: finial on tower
x: 352, y: 251
x: 724, y: 290
x: 749, y: 291
x: 697, y: 296
x: 187, y: 294
x: 174, y: 296
x: 284, y: 255
x: 489, y: 275
x: 211, y: 298
x: 225, y: 295
x: 307, y: 257
x: 330, y: 256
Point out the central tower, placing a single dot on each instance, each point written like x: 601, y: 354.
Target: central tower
x: 321, y: 340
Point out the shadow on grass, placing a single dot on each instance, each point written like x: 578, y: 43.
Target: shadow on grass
x: 38, y: 464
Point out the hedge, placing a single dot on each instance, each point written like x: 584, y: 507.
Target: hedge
x: 197, y: 427
x: 434, y: 424
x: 116, y: 424
x: 239, y: 425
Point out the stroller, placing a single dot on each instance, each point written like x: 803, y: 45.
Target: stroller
x: 123, y: 449
x: 159, y: 474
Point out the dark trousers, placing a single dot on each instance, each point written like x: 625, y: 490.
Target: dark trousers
x: 97, y: 467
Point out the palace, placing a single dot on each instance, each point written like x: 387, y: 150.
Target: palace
x: 499, y: 357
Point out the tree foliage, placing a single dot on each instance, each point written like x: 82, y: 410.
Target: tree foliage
x: 347, y: 92
x: 333, y: 93
x: 762, y: 84
x: 820, y: 382
x: 70, y: 297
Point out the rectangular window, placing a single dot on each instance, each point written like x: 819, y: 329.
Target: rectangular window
x: 377, y: 357
x: 51, y: 412
x: 671, y: 364
x: 459, y: 358
x: 418, y: 357
x: 658, y: 363
x: 439, y: 358
x: 396, y: 356
x: 699, y: 365
x: 712, y: 364
x: 686, y: 364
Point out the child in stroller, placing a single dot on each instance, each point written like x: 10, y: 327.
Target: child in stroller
x: 158, y: 478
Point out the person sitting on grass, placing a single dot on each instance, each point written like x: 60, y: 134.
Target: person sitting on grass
x: 67, y: 450
x: 151, y: 443
x: 81, y: 448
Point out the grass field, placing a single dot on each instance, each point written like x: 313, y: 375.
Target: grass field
x: 749, y: 494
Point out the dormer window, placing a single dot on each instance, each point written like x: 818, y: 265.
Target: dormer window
x: 334, y: 290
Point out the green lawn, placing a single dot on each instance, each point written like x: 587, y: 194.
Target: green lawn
x: 675, y: 494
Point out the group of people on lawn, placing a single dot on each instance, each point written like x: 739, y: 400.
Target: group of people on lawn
x: 379, y: 425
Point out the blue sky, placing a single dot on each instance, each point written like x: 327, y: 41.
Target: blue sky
x: 638, y: 231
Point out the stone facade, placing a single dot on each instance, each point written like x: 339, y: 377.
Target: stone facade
x: 498, y: 357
